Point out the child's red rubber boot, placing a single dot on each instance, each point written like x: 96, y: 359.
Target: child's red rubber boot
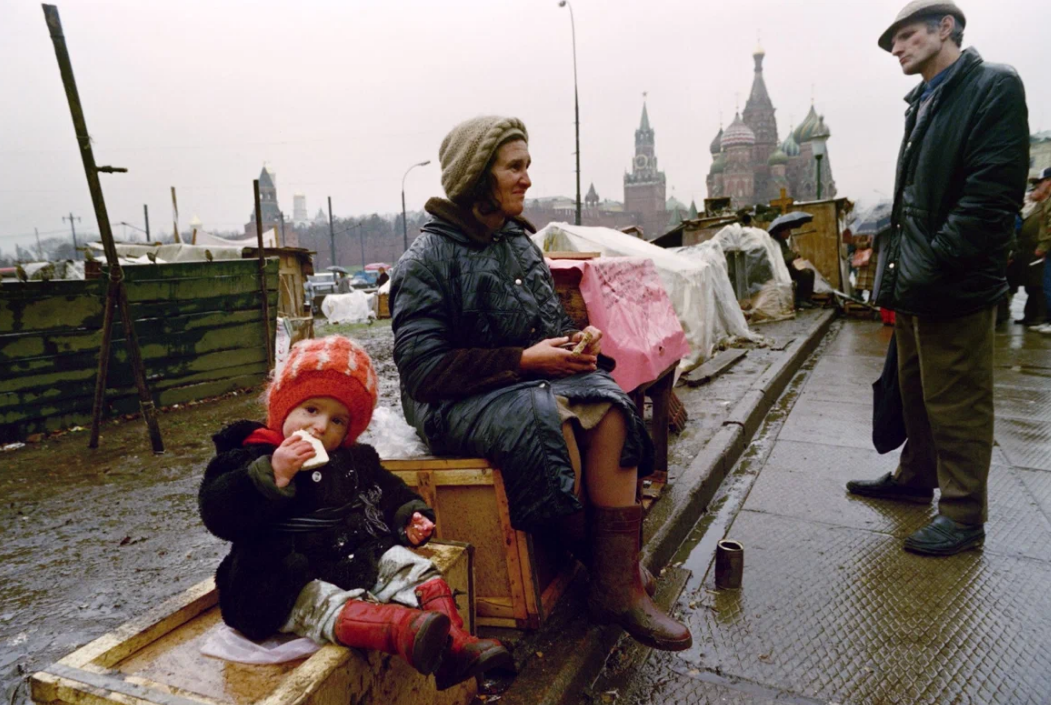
x: 418, y: 637
x: 468, y: 656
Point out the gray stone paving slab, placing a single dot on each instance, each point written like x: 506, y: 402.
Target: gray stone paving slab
x: 1026, y: 442
x: 834, y: 423
x: 840, y: 614
x: 807, y: 482
x: 1038, y: 482
x: 843, y: 378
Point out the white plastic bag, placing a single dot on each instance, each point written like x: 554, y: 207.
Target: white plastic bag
x: 392, y: 436
x: 229, y: 645
x: 354, y: 307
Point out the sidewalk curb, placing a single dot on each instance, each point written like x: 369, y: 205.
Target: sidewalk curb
x: 684, y: 501
x: 665, y: 528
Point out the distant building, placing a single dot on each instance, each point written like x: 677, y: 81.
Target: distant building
x: 271, y: 212
x: 299, y: 210
x: 594, y: 212
x: 645, y: 188
x: 751, y: 166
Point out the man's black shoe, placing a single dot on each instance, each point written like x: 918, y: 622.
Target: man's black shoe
x: 944, y: 537
x: 886, y: 488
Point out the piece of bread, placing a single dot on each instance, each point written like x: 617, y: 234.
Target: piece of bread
x: 320, y: 457
x: 585, y: 341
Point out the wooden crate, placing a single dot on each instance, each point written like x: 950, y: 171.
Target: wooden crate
x: 382, y: 305
x: 157, y: 659
x: 518, y: 579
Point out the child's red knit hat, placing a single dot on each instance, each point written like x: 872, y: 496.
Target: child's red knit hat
x: 333, y: 367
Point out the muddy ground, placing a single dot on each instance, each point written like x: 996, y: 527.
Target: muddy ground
x: 92, y: 538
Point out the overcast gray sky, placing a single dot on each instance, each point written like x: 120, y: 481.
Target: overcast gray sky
x: 341, y: 97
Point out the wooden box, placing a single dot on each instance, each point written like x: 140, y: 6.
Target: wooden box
x: 382, y: 305
x: 157, y: 659
x: 518, y: 580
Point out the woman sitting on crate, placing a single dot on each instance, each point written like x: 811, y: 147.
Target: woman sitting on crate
x: 489, y: 367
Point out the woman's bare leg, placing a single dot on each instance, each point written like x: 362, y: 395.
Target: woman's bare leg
x: 607, y: 483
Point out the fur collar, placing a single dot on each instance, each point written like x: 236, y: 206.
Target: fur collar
x: 464, y: 219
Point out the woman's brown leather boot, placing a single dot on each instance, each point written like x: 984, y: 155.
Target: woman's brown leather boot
x: 616, y: 595
x: 468, y: 656
x: 572, y: 532
x: 418, y: 637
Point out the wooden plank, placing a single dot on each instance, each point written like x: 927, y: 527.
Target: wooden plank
x: 489, y: 607
x: 111, y: 648
x: 189, y: 289
x: 498, y: 622
x: 514, y: 563
x: 235, y: 302
x: 135, y: 273
x: 39, y: 372
x: 83, y: 385
x: 430, y: 462
x: 16, y: 290
x: 49, y: 313
x: 425, y: 488
x: 530, y: 579
x: 156, y: 338
x: 714, y: 367
x: 557, y: 587
x: 572, y: 255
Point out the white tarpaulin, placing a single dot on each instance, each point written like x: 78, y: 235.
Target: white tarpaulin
x: 355, y: 307
x: 698, y: 287
x: 766, y: 282
x: 207, y: 245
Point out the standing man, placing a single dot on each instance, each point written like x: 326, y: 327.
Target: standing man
x: 961, y: 176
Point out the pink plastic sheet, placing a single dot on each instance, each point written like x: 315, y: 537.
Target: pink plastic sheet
x: 627, y: 302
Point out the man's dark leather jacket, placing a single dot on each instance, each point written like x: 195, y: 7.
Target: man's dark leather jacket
x: 961, y: 177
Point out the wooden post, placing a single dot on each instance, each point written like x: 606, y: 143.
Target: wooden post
x: 116, y: 294
x: 262, y: 274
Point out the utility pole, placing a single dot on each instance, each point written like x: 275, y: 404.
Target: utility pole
x: 361, y: 235
x: 39, y: 249
x: 175, y: 218
x: 146, y: 213
x: 74, y: 229
x: 331, y: 232
x: 281, y: 218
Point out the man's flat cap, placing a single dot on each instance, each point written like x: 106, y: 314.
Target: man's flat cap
x: 918, y: 9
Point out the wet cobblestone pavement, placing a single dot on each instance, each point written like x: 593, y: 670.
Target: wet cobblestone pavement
x: 832, y: 610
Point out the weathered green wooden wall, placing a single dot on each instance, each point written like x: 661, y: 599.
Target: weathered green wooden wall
x: 199, y: 324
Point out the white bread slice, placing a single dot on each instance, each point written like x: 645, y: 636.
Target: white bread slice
x: 321, y: 456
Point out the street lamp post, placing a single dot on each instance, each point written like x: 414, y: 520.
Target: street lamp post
x: 576, y: 99
x: 404, y: 221
x: 819, y: 138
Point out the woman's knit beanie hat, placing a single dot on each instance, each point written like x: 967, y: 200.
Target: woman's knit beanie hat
x: 332, y: 367
x: 468, y: 147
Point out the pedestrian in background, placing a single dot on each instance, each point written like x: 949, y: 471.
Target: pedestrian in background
x: 1036, y: 216
x: 942, y: 267
x: 1027, y: 266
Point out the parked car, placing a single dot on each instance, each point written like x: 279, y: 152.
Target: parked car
x: 317, y: 287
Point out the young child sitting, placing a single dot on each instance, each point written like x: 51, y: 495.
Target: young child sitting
x: 321, y: 552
